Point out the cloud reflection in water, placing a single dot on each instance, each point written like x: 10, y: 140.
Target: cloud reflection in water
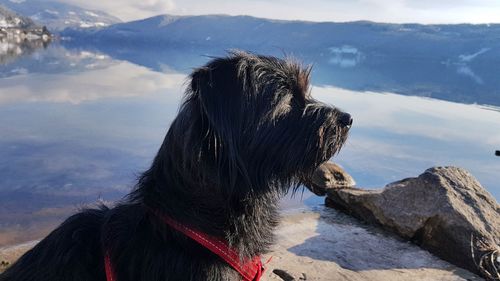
x: 71, y: 137
x: 396, y: 136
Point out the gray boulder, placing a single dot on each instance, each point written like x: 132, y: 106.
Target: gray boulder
x: 445, y: 210
x: 327, y: 176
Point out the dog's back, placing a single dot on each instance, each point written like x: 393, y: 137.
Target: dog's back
x: 71, y: 252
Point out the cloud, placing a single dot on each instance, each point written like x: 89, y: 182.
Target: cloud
x: 450, y: 4
x: 127, y: 9
x: 394, y: 136
x: 446, y: 11
x: 154, y: 5
x: 398, y: 11
x: 120, y: 80
x: 415, y: 116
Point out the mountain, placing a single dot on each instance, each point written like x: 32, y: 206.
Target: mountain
x: 422, y: 41
x: 58, y: 16
x: 450, y: 62
x: 9, y: 19
x: 19, y: 36
x: 343, y: 44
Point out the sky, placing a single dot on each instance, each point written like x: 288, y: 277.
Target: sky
x: 396, y: 11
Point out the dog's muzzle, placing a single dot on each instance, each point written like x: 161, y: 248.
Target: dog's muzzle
x: 345, y: 120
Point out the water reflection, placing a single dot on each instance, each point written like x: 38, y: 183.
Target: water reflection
x: 345, y: 66
x: 75, y: 133
x: 395, y: 136
x: 55, y: 59
x: 345, y: 56
x: 86, y: 79
x: 11, y: 50
x: 78, y: 125
x: 71, y: 137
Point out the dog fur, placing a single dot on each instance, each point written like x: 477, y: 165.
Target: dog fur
x: 247, y: 132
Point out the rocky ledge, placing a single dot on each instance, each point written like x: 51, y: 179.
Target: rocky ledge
x: 445, y: 210
x: 325, y: 244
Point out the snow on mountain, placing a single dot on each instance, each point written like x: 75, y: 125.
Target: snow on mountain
x: 58, y: 16
x: 9, y: 19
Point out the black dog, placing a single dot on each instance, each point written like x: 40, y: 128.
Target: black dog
x: 247, y: 132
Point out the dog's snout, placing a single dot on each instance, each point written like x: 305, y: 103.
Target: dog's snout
x: 345, y: 120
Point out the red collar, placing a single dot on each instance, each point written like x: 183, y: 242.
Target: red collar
x: 250, y: 270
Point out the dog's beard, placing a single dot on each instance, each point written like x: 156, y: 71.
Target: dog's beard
x: 329, y: 139
x: 332, y: 140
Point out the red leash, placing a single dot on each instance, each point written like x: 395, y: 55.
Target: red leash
x: 250, y: 270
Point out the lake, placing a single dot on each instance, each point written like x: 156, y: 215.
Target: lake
x: 78, y: 124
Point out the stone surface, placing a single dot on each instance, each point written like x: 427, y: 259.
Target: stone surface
x: 441, y: 210
x: 328, y: 245
x: 329, y: 175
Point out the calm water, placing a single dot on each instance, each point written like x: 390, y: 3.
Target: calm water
x: 79, y: 125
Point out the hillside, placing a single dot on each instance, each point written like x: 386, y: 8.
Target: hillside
x: 425, y: 41
x: 19, y: 36
x: 58, y: 16
x: 450, y: 62
x: 9, y: 19
x: 15, y: 28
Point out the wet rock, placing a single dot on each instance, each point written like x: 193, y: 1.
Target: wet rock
x: 283, y: 274
x: 286, y: 276
x: 441, y: 210
x: 329, y: 176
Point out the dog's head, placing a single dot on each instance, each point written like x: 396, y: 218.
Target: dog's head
x: 249, y: 123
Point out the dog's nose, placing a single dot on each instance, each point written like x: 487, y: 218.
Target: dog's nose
x: 345, y: 120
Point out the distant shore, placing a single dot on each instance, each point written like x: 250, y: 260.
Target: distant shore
x: 9, y: 254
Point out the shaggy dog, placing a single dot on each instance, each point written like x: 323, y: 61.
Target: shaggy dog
x: 247, y: 132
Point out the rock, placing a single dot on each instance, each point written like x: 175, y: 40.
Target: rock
x: 283, y: 274
x: 329, y: 175
x: 441, y: 210
x: 325, y: 244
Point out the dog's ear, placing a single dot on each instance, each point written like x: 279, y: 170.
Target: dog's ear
x: 218, y: 90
